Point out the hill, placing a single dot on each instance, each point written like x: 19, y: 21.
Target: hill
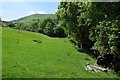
x: 34, y: 17
x: 32, y: 55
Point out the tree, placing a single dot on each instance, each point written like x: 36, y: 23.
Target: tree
x: 59, y: 32
x: 105, y: 31
x: 10, y: 24
x: 106, y: 16
x: 34, y: 26
x: 71, y: 15
x: 42, y: 25
x: 49, y: 29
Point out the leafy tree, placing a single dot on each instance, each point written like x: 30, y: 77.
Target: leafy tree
x: 71, y: 15
x: 105, y: 30
x: 10, y: 24
x: 21, y: 26
x: 106, y: 16
x: 34, y: 26
x: 49, y: 29
x: 42, y: 24
x: 59, y: 32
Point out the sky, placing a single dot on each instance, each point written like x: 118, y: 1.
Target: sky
x: 15, y: 10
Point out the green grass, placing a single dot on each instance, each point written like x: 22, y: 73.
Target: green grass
x: 53, y: 58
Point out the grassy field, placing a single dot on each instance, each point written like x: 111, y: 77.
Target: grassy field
x: 23, y: 57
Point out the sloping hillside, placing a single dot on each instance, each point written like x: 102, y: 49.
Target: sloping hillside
x: 34, y: 17
x: 32, y: 55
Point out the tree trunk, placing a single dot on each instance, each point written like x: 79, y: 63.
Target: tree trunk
x: 80, y: 44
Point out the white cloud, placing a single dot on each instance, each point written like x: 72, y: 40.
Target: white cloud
x: 31, y: 12
x: 41, y: 12
x: 38, y: 12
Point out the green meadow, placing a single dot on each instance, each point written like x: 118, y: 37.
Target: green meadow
x: 33, y: 55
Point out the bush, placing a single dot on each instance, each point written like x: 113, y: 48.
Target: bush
x: 10, y: 24
x: 59, y: 32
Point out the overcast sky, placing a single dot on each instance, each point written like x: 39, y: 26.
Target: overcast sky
x: 14, y: 10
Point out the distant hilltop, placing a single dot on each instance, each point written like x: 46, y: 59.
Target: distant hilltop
x: 34, y: 17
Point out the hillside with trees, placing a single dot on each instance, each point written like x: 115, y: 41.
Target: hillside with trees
x: 34, y: 17
x: 41, y: 23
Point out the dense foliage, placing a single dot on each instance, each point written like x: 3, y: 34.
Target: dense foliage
x: 92, y: 22
x: 73, y: 20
